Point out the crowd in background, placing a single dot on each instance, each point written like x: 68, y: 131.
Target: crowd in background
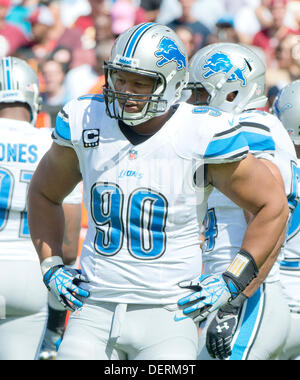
x: 67, y: 41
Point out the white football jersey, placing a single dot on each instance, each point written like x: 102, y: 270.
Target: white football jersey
x: 144, y: 209
x: 21, y: 148
x: 292, y: 246
x: 225, y: 223
x: 290, y: 265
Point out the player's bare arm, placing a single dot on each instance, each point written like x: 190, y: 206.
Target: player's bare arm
x: 267, y: 266
x: 56, y: 176
x: 252, y: 186
x: 72, y: 213
x: 243, y: 101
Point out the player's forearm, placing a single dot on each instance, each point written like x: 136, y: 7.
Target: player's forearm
x: 256, y: 283
x: 262, y: 274
x: 267, y: 266
x: 266, y: 230
x: 72, y: 213
x: 46, y: 225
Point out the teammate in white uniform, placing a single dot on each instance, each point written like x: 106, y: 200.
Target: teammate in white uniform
x: 141, y: 161
x: 286, y: 108
x: 232, y: 77
x: 23, y: 300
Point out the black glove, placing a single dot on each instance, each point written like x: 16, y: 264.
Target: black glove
x: 222, y: 328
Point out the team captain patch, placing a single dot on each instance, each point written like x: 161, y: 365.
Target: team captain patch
x: 91, y: 138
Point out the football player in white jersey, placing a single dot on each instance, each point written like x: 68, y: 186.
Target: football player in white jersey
x: 287, y: 108
x: 23, y: 300
x: 142, y: 164
x: 231, y: 77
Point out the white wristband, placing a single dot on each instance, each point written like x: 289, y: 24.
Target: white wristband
x: 50, y: 262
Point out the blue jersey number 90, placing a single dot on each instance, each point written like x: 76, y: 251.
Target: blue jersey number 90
x: 145, y: 223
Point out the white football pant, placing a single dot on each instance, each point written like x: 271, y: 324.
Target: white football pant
x: 23, y: 309
x: 134, y: 332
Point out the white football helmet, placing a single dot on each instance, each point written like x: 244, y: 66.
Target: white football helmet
x: 19, y: 84
x: 286, y: 107
x: 152, y: 50
x: 226, y: 68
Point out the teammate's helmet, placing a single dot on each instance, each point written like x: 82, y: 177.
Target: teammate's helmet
x: 19, y: 83
x: 286, y: 107
x: 225, y: 68
x: 147, y: 49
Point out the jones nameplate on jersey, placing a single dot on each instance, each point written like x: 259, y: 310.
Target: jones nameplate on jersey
x: 90, y: 138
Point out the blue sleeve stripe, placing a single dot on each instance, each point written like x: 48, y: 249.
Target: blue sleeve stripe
x: 259, y: 143
x: 62, y: 128
x: 255, y: 141
x: 226, y: 146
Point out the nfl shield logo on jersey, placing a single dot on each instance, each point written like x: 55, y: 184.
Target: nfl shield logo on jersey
x: 90, y: 138
x: 133, y: 155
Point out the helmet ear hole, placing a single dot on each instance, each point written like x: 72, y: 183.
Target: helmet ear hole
x: 178, y: 84
x: 231, y: 96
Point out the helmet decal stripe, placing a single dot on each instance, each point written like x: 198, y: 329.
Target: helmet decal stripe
x: 8, y: 73
x: 135, y: 37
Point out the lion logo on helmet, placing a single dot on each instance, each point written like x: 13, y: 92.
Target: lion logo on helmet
x: 168, y: 52
x: 276, y: 108
x: 220, y: 63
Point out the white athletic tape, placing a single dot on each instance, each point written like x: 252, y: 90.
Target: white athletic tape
x: 238, y: 265
x: 50, y: 262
